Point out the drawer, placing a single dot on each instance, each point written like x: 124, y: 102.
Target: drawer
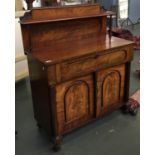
x: 81, y: 66
x: 113, y: 58
x: 78, y: 66
x: 85, y: 65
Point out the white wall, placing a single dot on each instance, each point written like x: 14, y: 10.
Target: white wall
x: 21, y: 68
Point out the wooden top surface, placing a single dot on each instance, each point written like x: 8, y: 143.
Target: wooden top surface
x: 63, y: 51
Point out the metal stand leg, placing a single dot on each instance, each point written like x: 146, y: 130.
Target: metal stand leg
x: 127, y: 21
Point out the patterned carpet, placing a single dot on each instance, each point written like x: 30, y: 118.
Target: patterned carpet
x: 126, y: 34
x: 135, y: 98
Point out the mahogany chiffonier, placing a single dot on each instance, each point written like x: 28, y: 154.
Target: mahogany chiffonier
x: 77, y: 72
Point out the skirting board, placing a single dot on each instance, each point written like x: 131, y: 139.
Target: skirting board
x: 19, y: 14
x: 21, y: 75
x: 20, y: 58
x: 21, y: 67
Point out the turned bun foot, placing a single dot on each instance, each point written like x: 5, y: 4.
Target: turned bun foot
x: 56, y: 147
x: 129, y: 109
x: 125, y: 109
x: 39, y: 126
x: 133, y: 112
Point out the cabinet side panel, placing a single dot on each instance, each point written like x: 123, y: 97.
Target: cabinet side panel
x: 40, y: 94
x: 26, y: 37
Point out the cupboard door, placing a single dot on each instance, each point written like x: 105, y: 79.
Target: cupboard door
x: 110, y: 89
x: 74, y: 103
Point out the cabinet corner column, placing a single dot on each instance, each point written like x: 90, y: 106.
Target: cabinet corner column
x: 127, y: 81
x: 57, y: 137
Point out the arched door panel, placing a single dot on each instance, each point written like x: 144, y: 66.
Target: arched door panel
x: 110, y: 89
x: 74, y: 103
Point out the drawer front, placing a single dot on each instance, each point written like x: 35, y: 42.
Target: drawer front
x: 110, y: 59
x: 86, y: 65
x: 82, y: 66
x: 76, y: 67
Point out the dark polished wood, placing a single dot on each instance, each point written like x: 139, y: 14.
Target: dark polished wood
x: 29, y: 4
x: 77, y: 72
